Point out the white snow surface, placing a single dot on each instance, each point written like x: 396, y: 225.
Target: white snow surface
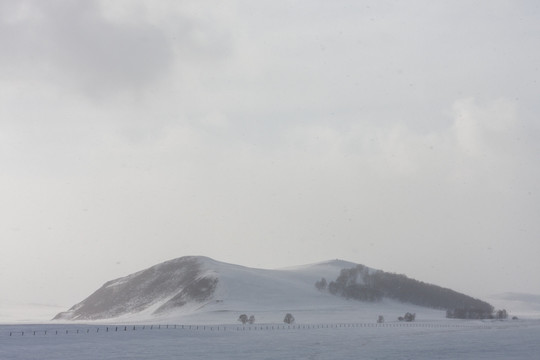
x: 516, y: 340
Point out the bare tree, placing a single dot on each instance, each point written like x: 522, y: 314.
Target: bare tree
x: 321, y: 284
x: 243, y: 319
x: 409, y: 316
x: 289, y: 319
x: 501, y: 314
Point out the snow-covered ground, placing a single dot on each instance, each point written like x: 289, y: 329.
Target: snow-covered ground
x: 422, y: 340
x: 327, y: 327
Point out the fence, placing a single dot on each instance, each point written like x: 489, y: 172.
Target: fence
x: 78, y: 329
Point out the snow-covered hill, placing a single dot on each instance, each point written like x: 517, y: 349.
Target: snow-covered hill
x: 200, y: 289
x: 193, y: 284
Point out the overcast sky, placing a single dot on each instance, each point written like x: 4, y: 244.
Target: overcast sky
x: 401, y: 135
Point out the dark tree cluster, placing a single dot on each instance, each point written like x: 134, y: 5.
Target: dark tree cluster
x: 478, y: 314
x: 355, y: 283
x: 245, y: 319
x: 321, y: 284
x: 408, y: 317
x: 462, y: 313
x: 361, y: 283
x: 501, y: 314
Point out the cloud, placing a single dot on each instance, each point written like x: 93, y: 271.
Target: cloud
x: 479, y: 130
x: 73, y: 45
x: 267, y: 135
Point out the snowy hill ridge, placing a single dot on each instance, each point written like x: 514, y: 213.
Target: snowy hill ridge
x: 196, y: 284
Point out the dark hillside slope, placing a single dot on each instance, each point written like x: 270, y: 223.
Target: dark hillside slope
x: 162, y: 287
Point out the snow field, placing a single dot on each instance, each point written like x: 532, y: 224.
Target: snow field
x: 440, y: 340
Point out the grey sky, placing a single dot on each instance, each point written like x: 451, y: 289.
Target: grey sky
x: 401, y: 135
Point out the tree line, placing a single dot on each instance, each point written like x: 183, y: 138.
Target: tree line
x: 364, y: 284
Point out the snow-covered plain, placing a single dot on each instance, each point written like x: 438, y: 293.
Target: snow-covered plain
x: 422, y: 340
